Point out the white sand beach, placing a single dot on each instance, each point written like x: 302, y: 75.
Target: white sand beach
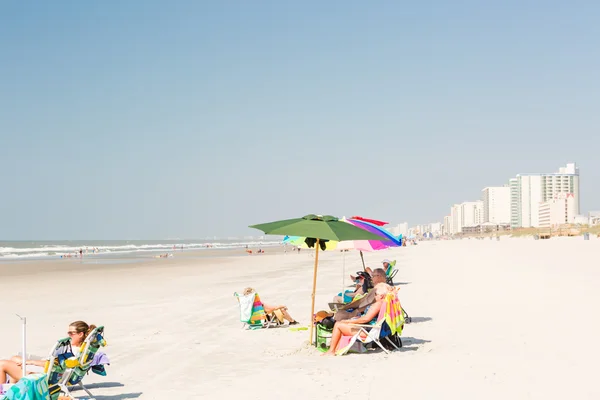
x: 514, y: 318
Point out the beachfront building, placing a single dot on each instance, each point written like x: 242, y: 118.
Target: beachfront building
x: 594, y: 218
x: 422, y: 228
x: 528, y: 191
x: 468, y: 213
x: 496, y: 204
x: 456, y: 219
x: 558, y: 211
x: 472, y: 213
x: 446, y: 231
x: 400, y: 229
x: 435, y: 228
x: 485, y: 228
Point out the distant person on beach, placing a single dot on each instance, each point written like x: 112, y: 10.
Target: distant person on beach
x: 280, y: 311
x: 81, y: 253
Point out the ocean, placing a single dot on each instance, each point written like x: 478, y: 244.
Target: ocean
x: 56, y: 249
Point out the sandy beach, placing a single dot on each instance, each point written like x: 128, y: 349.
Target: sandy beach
x: 491, y: 319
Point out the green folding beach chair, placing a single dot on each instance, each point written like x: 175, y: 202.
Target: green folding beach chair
x: 390, y: 273
x: 60, y: 360
x: 73, y: 376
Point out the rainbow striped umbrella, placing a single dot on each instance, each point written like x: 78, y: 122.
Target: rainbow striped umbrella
x: 387, y: 239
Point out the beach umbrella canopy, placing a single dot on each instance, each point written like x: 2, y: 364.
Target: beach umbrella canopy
x: 317, y: 227
x: 385, y: 238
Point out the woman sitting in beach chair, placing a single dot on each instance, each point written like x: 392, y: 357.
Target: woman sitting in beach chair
x: 348, y: 328
x: 279, y: 312
x: 12, y: 369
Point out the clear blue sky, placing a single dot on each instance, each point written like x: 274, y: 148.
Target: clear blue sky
x: 156, y: 119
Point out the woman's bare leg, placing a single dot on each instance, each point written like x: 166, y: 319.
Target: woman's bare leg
x: 10, y: 368
x: 287, y: 315
x: 340, y: 329
x: 16, y: 359
x: 269, y: 308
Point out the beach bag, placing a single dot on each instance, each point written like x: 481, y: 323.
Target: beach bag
x: 327, y: 323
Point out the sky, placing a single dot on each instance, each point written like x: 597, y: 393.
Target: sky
x: 185, y: 119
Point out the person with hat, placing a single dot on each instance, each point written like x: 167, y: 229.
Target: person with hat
x: 357, y: 307
x: 362, y: 286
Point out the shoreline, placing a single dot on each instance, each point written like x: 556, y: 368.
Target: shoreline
x: 91, y: 263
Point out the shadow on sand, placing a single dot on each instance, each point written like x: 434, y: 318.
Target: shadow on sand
x: 416, y: 320
x: 102, y: 385
x: 408, y: 344
x: 119, y: 396
x: 411, y: 343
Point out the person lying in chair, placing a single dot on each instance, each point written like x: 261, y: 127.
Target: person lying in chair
x: 280, y: 312
x: 348, y: 327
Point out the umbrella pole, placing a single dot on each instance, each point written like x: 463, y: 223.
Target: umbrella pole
x: 24, y: 344
x: 343, y: 272
x: 363, y: 261
x: 312, y: 308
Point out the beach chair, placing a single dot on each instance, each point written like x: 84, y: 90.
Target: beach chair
x: 74, y: 374
x: 60, y: 359
x: 389, y: 324
x: 390, y: 273
x: 253, y: 315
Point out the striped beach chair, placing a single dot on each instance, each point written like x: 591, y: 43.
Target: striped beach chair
x: 252, y: 312
x: 60, y: 360
x: 74, y: 374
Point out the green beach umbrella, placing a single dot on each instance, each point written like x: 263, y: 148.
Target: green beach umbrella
x: 319, y: 227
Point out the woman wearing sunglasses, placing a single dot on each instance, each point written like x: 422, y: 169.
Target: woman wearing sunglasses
x: 12, y: 369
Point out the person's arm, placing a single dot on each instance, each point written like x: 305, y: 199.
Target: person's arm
x: 39, y: 363
x: 372, y: 313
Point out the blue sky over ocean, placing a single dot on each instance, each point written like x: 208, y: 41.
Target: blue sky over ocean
x: 154, y: 119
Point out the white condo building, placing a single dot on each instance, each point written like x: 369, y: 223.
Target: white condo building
x: 446, y: 226
x: 400, y: 229
x: 472, y: 213
x: 469, y: 213
x: 528, y: 191
x: 496, y: 205
x: 456, y: 219
x: 435, y: 228
x: 557, y: 211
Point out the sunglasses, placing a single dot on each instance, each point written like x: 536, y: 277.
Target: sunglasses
x: 71, y: 333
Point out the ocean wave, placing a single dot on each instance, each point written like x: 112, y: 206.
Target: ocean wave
x: 56, y: 250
